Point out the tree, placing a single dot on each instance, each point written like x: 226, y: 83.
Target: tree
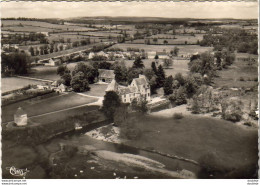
x: 165, y: 42
x: 168, y: 88
x: 79, y: 83
x: 160, y: 76
x: 167, y: 63
x: 179, y: 96
x: 31, y: 50
x: 66, y: 79
x: 110, y: 103
x: 89, y: 72
x: 61, y: 70
x: 121, y: 114
x: 104, y: 65
x: 139, y: 106
x: 120, y: 74
x: 133, y: 73
x: 156, y: 57
x: 175, y: 51
x: 138, y: 63
x: 154, y: 68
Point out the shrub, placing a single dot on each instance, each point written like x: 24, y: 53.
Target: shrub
x: 250, y: 124
x: 179, y: 97
x: 177, y: 116
x: 241, y: 79
x: 232, y: 110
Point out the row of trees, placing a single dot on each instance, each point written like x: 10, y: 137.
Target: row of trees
x: 52, y: 47
x: 23, y: 38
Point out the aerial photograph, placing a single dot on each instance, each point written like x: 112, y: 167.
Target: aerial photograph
x: 129, y: 90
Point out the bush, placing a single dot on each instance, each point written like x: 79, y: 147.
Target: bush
x: 241, y: 79
x: 177, y: 116
x: 232, y: 110
x: 250, y: 124
x: 179, y: 97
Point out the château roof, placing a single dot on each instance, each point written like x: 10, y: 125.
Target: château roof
x: 113, y: 86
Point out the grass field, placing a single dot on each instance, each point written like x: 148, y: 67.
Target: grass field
x: 36, y: 26
x: 239, y: 74
x: 194, y: 137
x: 37, y: 106
x: 12, y: 83
x: 184, y: 49
x: 61, y: 116
x: 97, y: 90
x: 48, y: 72
x: 180, y: 66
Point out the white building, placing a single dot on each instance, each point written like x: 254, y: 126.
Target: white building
x: 138, y: 89
x: 20, y: 117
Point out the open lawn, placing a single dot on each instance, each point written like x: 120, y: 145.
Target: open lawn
x: 13, y: 83
x: 194, y: 137
x: 96, y: 90
x: 37, y: 106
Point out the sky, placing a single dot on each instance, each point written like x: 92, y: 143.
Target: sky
x: 237, y: 10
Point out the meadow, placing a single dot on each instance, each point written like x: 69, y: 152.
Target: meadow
x: 13, y: 83
x: 239, y: 74
x: 38, y: 106
x: 184, y: 49
x: 196, y: 137
x: 37, y: 26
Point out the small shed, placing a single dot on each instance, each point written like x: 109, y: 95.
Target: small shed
x: 106, y: 75
x: 20, y: 117
x: 62, y: 88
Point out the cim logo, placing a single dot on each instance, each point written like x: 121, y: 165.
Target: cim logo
x: 17, y: 172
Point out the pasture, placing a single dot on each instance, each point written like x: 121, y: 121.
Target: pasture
x: 37, y: 26
x: 13, y: 83
x: 195, y: 137
x: 37, y: 106
x: 184, y: 49
x: 239, y: 74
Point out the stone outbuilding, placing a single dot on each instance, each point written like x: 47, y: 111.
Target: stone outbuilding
x: 20, y: 117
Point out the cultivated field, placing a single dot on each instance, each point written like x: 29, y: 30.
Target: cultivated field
x: 13, y: 83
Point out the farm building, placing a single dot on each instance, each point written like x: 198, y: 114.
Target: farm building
x: 106, y: 75
x: 162, y: 55
x: 151, y: 54
x: 91, y: 55
x: 62, y: 88
x: 53, y: 62
x: 20, y: 117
